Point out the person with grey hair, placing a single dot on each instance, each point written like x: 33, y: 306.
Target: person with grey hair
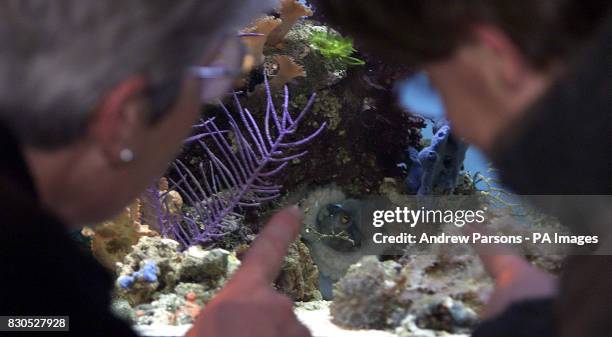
x: 96, y: 98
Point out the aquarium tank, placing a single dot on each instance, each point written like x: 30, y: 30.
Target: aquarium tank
x: 316, y: 122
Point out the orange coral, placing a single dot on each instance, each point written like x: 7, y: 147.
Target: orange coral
x: 172, y: 204
x: 112, y: 240
x: 255, y: 44
x: 287, y: 71
x: 163, y: 184
x: 190, y: 308
x: 190, y: 296
x: 290, y: 12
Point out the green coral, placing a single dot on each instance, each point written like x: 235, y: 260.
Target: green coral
x: 335, y: 47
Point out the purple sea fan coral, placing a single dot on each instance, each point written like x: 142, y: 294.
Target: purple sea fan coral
x: 241, y: 162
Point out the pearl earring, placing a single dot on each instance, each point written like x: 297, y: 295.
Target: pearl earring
x: 126, y: 155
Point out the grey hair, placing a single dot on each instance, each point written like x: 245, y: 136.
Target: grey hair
x: 58, y: 58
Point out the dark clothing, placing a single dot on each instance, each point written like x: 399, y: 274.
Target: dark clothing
x: 585, y: 305
x: 43, y: 271
x: 533, y: 318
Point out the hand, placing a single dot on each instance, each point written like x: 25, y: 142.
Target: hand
x: 248, y: 305
x: 515, y: 278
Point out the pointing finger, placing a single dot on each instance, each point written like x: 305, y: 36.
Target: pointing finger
x: 265, y: 258
x: 499, y: 260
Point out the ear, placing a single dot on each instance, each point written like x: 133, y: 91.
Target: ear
x: 119, y: 118
x: 510, y: 63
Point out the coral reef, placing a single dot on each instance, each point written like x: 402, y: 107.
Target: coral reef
x: 335, y: 47
x: 148, y: 273
x: 123, y: 310
x: 321, y: 72
x: 237, y: 169
x: 326, y: 105
x: 169, y: 309
x: 423, y: 293
x: 367, y: 130
x: 157, y: 284
x: 112, y: 240
x: 255, y: 36
x: 446, y: 314
x: 191, y: 307
x: 287, y: 71
x: 290, y: 11
x: 299, y: 276
x: 161, y: 205
x: 367, y: 135
x: 435, y: 169
x: 271, y: 31
x: 364, y: 298
x: 163, y: 310
x: 164, y: 253
x: 155, y: 266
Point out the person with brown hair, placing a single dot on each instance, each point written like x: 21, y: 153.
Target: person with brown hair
x: 529, y: 83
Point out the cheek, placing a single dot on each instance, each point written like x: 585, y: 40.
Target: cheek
x: 181, y: 128
x: 454, y: 88
x: 459, y: 111
x: 182, y: 117
x: 461, y: 122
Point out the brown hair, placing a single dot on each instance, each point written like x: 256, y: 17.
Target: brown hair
x: 419, y: 31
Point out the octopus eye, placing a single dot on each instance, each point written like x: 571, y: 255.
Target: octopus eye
x: 345, y: 219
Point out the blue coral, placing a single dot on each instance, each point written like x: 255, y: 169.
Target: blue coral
x: 126, y: 281
x: 415, y: 171
x: 435, y: 168
x: 148, y: 273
